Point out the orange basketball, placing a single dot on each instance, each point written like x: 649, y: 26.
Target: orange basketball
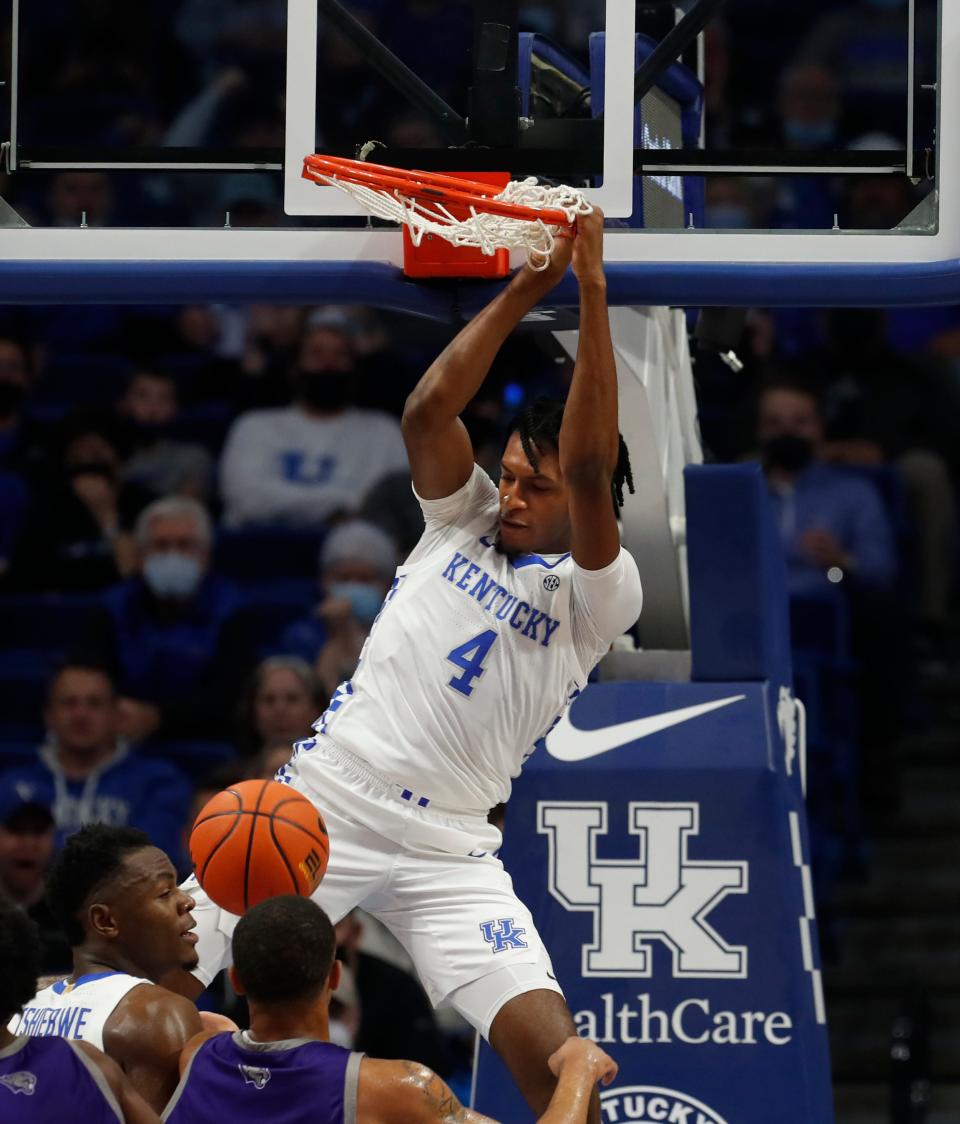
x: 255, y: 840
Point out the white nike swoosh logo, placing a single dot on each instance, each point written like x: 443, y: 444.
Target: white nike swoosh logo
x: 567, y: 742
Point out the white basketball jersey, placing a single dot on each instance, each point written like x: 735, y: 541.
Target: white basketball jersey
x: 472, y: 658
x: 75, y: 1010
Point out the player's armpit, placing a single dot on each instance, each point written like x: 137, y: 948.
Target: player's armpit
x: 145, y: 1035
x: 408, y: 1093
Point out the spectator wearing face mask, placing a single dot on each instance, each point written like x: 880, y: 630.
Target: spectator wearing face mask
x: 832, y: 523
x: 357, y: 565
x: 838, y: 543
x: 169, y: 628
x: 159, y: 464
x: 809, y: 120
x: 300, y: 464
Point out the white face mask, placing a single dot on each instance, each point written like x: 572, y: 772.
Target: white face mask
x: 170, y: 573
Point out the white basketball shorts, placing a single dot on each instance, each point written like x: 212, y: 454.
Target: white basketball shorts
x: 433, y: 880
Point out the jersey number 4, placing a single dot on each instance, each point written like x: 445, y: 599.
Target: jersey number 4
x: 469, y: 658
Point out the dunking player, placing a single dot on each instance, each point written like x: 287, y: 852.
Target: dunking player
x: 117, y: 900
x: 291, y: 1070
x: 492, y: 624
x: 49, y: 1080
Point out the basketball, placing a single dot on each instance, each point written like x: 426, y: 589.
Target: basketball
x: 255, y: 840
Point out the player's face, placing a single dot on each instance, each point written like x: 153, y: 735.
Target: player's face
x: 533, y: 503
x: 152, y: 915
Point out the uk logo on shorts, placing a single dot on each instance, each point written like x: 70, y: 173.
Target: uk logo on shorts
x: 502, y: 934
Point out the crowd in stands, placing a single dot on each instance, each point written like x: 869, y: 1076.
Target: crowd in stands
x: 202, y: 510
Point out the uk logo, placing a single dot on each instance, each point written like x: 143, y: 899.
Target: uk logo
x: 662, y: 895
x: 23, y: 1081
x: 255, y: 1075
x: 502, y: 934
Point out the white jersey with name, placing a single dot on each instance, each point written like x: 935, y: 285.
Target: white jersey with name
x: 472, y: 658
x: 75, y: 1010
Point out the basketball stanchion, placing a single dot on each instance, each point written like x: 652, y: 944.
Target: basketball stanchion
x: 490, y: 213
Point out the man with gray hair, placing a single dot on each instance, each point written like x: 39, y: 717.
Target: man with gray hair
x: 167, y: 626
x: 357, y: 565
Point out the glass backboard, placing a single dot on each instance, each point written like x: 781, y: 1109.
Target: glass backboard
x: 170, y: 138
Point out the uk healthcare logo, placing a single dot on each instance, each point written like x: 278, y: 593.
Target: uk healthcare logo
x: 662, y: 895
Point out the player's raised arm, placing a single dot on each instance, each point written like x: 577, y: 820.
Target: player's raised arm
x: 441, y: 457
x: 589, y: 436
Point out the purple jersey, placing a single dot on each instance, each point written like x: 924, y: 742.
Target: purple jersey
x: 48, y: 1080
x: 298, y: 1081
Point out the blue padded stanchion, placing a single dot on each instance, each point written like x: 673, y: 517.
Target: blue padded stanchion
x: 660, y: 841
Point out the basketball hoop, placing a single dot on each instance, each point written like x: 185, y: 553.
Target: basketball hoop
x: 523, y: 215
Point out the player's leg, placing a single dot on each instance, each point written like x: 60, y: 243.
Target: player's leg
x: 476, y: 949
x: 525, y: 1032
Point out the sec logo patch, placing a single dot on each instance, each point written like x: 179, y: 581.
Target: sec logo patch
x: 551, y: 583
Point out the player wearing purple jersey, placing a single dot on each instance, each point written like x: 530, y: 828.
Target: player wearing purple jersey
x: 50, y: 1080
x: 285, y: 1069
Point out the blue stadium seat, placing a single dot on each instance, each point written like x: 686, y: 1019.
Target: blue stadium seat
x: 14, y: 753
x: 195, y: 758
x: 257, y: 627
x: 84, y: 379
x: 267, y: 554
x: 47, y: 622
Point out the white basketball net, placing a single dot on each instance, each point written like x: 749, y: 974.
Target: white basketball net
x: 485, y: 231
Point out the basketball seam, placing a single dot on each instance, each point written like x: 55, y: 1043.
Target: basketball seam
x: 280, y: 819
x: 253, y: 832
x: 236, y: 822
x: 282, y: 854
x: 293, y: 800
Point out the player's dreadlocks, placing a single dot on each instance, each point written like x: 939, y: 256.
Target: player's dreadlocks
x: 539, y: 425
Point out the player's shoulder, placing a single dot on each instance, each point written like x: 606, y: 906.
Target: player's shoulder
x: 407, y: 1091
x: 149, y: 1012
